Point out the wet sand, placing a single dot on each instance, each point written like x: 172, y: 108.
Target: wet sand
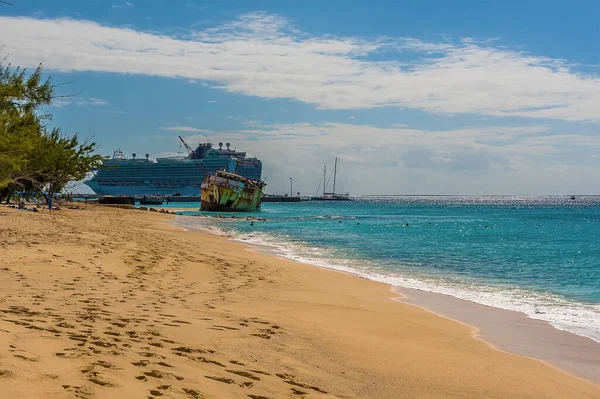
x: 516, y: 333
x: 106, y: 302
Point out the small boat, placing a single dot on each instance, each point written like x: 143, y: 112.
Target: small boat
x: 572, y: 197
x: 225, y: 191
x: 335, y: 197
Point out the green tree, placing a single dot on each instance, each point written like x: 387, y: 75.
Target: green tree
x: 21, y: 92
x: 34, y: 157
x: 62, y: 160
x: 21, y: 122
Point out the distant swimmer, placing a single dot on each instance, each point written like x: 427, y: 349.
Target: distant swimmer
x: 486, y: 227
x: 252, y: 223
x: 406, y: 224
x: 357, y: 223
x: 339, y: 221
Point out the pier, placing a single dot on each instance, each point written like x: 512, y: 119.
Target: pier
x: 139, y: 198
x: 280, y: 198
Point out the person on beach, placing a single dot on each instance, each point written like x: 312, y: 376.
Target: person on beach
x: 49, y: 202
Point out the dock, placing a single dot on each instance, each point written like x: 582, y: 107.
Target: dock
x: 149, y: 199
x: 108, y: 199
x: 280, y: 198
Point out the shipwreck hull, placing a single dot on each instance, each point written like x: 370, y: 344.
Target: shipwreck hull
x: 221, y: 194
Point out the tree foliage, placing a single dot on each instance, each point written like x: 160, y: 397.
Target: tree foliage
x: 33, y: 156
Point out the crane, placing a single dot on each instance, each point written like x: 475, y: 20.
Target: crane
x: 190, y: 151
x: 187, y: 147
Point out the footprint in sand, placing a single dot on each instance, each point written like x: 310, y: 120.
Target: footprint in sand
x: 107, y: 365
x: 160, y: 374
x: 226, y: 327
x: 141, y: 363
x: 221, y: 379
x: 80, y: 391
x: 264, y: 336
x: 193, y: 393
x: 96, y: 377
x: 290, y: 379
x: 28, y: 358
x: 244, y: 374
x: 260, y: 372
x: 205, y: 360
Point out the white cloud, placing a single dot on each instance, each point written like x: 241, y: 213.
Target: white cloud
x: 212, y: 101
x: 264, y: 55
x: 188, y: 129
x: 344, y: 135
x: 120, y: 6
x: 82, y: 101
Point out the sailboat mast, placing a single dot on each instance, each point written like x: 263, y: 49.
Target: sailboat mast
x: 334, y: 174
x: 324, y: 176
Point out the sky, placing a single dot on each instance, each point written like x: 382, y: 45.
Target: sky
x: 413, y: 97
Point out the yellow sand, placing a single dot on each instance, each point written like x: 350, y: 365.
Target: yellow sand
x: 114, y: 303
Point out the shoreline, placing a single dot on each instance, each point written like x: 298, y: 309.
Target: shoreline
x: 520, y: 334
x: 564, y: 313
x: 121, y: 303
x: 514, y: 332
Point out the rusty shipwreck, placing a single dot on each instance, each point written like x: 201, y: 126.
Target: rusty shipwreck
x: 225, y: 191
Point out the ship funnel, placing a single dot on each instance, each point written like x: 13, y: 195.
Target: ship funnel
x: 133, y: 155
x: 220, y: 145
x: 227, y: 145
x: 147, y: 156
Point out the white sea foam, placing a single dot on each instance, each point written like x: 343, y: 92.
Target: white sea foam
x: 562, y: 313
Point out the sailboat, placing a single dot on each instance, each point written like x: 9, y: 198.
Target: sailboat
x: 332, y: 196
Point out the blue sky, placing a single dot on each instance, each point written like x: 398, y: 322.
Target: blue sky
x: 414, y: 97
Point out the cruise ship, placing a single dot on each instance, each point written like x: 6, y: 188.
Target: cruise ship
x: 178, y: 175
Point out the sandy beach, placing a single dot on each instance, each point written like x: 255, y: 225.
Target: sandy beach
x: 103, y: 302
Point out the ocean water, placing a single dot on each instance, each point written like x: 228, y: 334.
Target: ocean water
x: 536, y: 255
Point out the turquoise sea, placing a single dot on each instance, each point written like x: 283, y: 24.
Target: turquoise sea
x: 537, y: 255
